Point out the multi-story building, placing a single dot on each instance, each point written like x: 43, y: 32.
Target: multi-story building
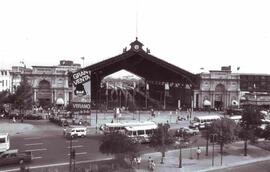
x: 5, y: 80
x: 255, y: 89
x: 50, y: 83
x: 218, y: 89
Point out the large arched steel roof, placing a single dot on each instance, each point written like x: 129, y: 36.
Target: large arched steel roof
x: 143, y: 64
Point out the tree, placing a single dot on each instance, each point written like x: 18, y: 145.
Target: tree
x: 23, y: 95
x: 266, y: 132
x: 119, y: 145
x: 225, y: 131
x: 160, y: 138
x: 251, y: 120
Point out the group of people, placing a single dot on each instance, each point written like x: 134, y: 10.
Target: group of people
x: 137, y: 160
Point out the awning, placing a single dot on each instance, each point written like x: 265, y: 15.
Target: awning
x: 243, y: 98
x: 206, y: 103
x: 60, y: 101
x: 263, y: 112
x: 235, y: 103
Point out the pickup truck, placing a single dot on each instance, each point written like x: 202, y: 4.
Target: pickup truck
x: 14, y: 157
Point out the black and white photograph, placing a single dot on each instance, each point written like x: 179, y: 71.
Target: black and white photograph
x: 134, y: 85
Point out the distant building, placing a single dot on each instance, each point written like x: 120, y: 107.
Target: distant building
x: 255, y: 89
x: 50, y: 83
x: 5, y: 80
x: 219, y: 89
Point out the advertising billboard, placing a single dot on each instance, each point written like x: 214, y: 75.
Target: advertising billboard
x: 81, y: 99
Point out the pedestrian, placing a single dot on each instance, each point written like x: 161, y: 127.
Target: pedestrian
x: 149, y: 162
x: 139, y: 161
x: 152, y: 165
x: 14, y: 119
x: 198, y: 152
x: 134, y: 160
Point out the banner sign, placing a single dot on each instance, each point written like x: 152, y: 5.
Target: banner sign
x: 81, y: 108
x: 81, y: 94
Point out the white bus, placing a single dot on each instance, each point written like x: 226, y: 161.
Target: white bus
x: 236, y: 118
x: 201, y: 121
x: 4, y: 142
x: 120, y: 126
x: 140, y: 134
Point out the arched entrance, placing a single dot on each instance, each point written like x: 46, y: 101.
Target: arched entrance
x: 163, y: 86
x: 219, y: 94
x: 44, y: 93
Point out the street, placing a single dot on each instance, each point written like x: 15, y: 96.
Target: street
x: 52, y: 148
x: 261, y: 166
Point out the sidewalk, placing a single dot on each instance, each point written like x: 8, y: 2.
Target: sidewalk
x: 233, y: 156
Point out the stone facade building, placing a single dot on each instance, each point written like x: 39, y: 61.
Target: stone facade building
x: 218, y: 89
x: 50, y: 83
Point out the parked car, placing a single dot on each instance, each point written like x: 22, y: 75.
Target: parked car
x: 185, y: 131
x: 15, y: 157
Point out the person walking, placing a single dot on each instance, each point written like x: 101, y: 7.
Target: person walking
x: 152, y: 165
x: 149, y: 162
x: 198, y: 152
x: 139, y: 161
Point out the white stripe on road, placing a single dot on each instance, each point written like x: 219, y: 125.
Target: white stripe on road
x: 59, y: 164
x: 37, y: 157
x: 75, y: 146
x: 33, y: 144
x: 79, y: 153
x: 32, y: 138
x: 34, y: 150
x: 73, y: 141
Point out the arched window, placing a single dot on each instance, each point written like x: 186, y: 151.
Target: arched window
x: 44, y: 84
x: 220, y: 88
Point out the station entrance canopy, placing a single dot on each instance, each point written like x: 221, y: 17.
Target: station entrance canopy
x: 140, y: 62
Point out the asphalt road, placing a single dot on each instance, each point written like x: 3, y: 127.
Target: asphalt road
x: 262, y: 166
x: 50, y: 147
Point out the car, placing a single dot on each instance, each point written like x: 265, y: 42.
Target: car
x: 78, y: 131
x: 15, y: 157
x: 185, y: 131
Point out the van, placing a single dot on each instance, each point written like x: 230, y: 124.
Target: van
x: 201, y: 122
x: 75, y: 132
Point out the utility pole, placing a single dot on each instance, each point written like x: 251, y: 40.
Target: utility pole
x: 162, y: 141
x: 180, y: 154
x: 213, y: 150
x: 70, y: 154
x: 207, y: 140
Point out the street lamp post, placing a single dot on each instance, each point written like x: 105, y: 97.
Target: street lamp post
x: 207, y: 140
x: 163, y: 143
x: 70, y: 154
x: 180, y: 154
x: 213, y: 150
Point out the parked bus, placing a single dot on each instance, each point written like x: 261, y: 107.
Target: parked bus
x: 4, y: 142
x: 201, y: 121
x: 236, y: 118
x: 141, y: 133
x: 120, y: 126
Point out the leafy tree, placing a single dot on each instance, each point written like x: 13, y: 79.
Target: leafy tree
x: 225, y: 129
x: 266, y: 132
x: 251, y: 120
x: 23, y: 95
x: 160, y: 138
x: 119, y: 145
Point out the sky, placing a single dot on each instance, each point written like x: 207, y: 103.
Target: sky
x: 191, y: 34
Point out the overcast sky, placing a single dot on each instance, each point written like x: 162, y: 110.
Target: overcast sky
x: 191, y: 34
